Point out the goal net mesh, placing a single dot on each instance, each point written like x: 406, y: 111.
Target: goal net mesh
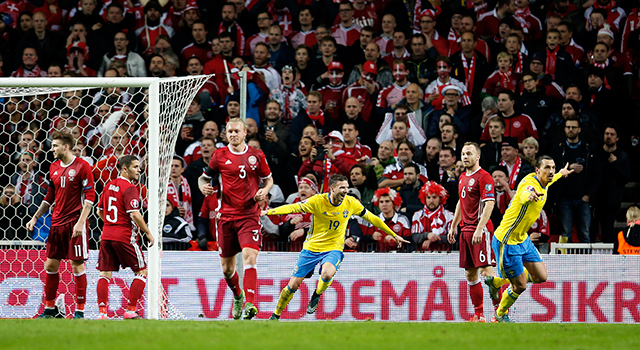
x: 106, y: 122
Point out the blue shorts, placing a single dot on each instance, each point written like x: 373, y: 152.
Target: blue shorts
x: 308, y: 260
x: 510, y: 258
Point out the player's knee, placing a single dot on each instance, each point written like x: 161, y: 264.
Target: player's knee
x: 142, y: 273
x: 471, y: 274
x: 228, y: 271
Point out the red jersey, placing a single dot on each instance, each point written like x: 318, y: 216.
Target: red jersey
x: 253, y: 40
x: 576, y: 51
x: 365, y: 17
x: 399, y: 224
x: 202, y: 51
x: 332, y: 94
x: 488, y: 24
x: 119, y: 198
x: 147, y: 36
x: 307, y: 38
x: 541, y: 225
x: 481, y: 46
x: 473, y: 190
x: 360, y: 92
x: 499, y: 80
x: 346, y: 36
x: 385, y: 44
x: 518, y: 126
x: 358, y: 151
x: 69, y: 186
x: 391, y: 95
x: 209, y: 211
x: 240, y: 175
x: 632, y: 24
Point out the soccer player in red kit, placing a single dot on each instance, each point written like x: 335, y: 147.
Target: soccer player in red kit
x: 240, y: 170
x: 72, y: 191
x: 119, y: 208
x: 477, y: 198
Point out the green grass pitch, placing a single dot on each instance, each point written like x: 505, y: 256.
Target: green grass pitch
x: 186, y: 335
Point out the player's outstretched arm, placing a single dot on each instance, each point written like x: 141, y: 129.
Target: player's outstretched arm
x: 44, y: 207
x: 285, y: 209
x: 139, y: 220
x: 377, y: 222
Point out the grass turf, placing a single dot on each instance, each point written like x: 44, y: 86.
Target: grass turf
x: 147, y: 334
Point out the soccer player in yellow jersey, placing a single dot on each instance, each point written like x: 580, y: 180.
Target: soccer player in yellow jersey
x: 519, y: 261
x: 325, y: 240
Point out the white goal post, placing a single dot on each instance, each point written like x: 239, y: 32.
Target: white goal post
x: 168, y: 100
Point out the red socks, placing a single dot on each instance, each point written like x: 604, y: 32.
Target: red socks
x: 234, y: 284
x: 135, y: 291
x: 475, y: 291
x: 103, y: 294
x: 81, y: 290
x: 250, y: 282
x: 51, y: 288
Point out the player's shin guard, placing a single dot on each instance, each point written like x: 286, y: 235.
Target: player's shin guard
x: 475, y: 292
x: 103, y: 294
x: 508, y: 298
x: 234, y: 284
x: 249, y: 282
x: 81, y: 290
x: 323, y: 285
x: 135, y: 292
x: 285, y: 298
x: 51, y: 288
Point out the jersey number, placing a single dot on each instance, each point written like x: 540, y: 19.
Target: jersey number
x: 63, y: 181
x: 243, y: 172
x: 77, y: 248
x: 463, y: 194
x: 333, y: 225
x: 112, y: 208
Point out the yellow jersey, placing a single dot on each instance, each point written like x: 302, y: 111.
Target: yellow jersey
x: 522, y: 213
x: 329, y: 221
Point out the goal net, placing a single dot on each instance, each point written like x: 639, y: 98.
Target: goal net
x: 108, y: 117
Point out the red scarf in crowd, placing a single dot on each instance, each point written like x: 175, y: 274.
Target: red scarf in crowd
x: 502, y: 201
x: 603, y: 66
x: 453, y: 36
x: 469, y: 71
x: 514, y: 172
x: 437, y: 220
x: 523, y: 14
x: 480, y: 9
x: 287, y: 92
x: 186, y: 198
x: 518, y: 60
x: 506, y: 81
x: 552, y: 57
x: 610, y: 6
x: 317, y: 118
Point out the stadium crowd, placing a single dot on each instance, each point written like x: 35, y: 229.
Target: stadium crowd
x: 385, y: 92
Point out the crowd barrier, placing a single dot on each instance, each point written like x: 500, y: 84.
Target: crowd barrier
x: 380, y: 287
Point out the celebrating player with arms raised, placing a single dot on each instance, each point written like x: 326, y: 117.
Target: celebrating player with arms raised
x: 240, y: 169
x: 519, y: 261
x: 477, y: 198
x: 119, y: 208
x: 71, y: 190
x: 325, y: 241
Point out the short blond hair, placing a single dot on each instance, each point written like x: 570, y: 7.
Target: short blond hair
x: 505, y: 55
x: 238, y: 120
x: 633, y: 214
x: 530, y: 141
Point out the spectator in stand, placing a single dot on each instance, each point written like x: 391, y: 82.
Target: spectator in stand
x: 400, y: 126
x: 358, y: 177
x: 264, y: 21
x: 182, y: 23
x: 117, y: 20
x: 296, y: 226
x: 180, y: 190
x: 200, y: 47
x: 431, y: 224
x: 365, y: 90
x: 516, y: 167
x: 320, y: 67
x: 489, y: 22
x: 389, y: 202
x: 421, y: 63
x: 176, y: 232
x: 134, y: 63
x: 384, y: 158
x: 303, y: 58
x: 470, y: 65
x: 194, y: 150
x: 427, y: 20
x: 331, y: 161
x: 77, y: 57
x: 431, y: 157
x: 49, y: 44
x: 372, y: 54
x: 279, y: 51
x: 273, y: 136
x: 385, y: 40
x: 413, y: 100
x: 152, y: 28
x: 196, y: 168
x: 530, y: 148
x: 449, y: 135
x: 332, y: 93
x: 88, y: 15
x: 614, y: 15
x: 393, y: 175
x: 313, y: 115
x: 539, y: 231
x: 400, y: 51
x: 261, y: 64
x: 433, y: 91
x: 531, y: 25
x: 207, y: 223
x: 287, y: 95
x: 558, y: 62
x: 574, y: 196
x: 25, y: 24
x: 566, y: 29
x: 410, y: 190
x: 348, y: 31
x: 514, y: 47
x: 12, y: 216
x: 29, y: 67
x: 504, y: 193
x: 460, y: 114
x: 156, y: 66
x: 563, y: 9
x: 534, y: 100
x: 306, y: 145
x: 616, y: 172
x: 209, y: 92
x: 353, y: 147
x: 503, y: 78
x: 230, y: 25
x: 30, y: 186
x: 352, y: 109
x: 447, y: 175
x: 389, y: 96
x: 191, y: 128
x: 519, y: 126
x: 306, y: 35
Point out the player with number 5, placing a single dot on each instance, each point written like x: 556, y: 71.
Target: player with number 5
x: 325, y: 240
x: 239, y: 170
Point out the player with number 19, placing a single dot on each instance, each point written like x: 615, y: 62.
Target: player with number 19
x: 71, y: 191
x: 240, y: 170
x: 325, y: 240
x: 119, y: 208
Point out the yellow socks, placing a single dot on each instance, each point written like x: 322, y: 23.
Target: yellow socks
x: 323, y: 285
x: 508, y: 298
x: 285, y: 297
